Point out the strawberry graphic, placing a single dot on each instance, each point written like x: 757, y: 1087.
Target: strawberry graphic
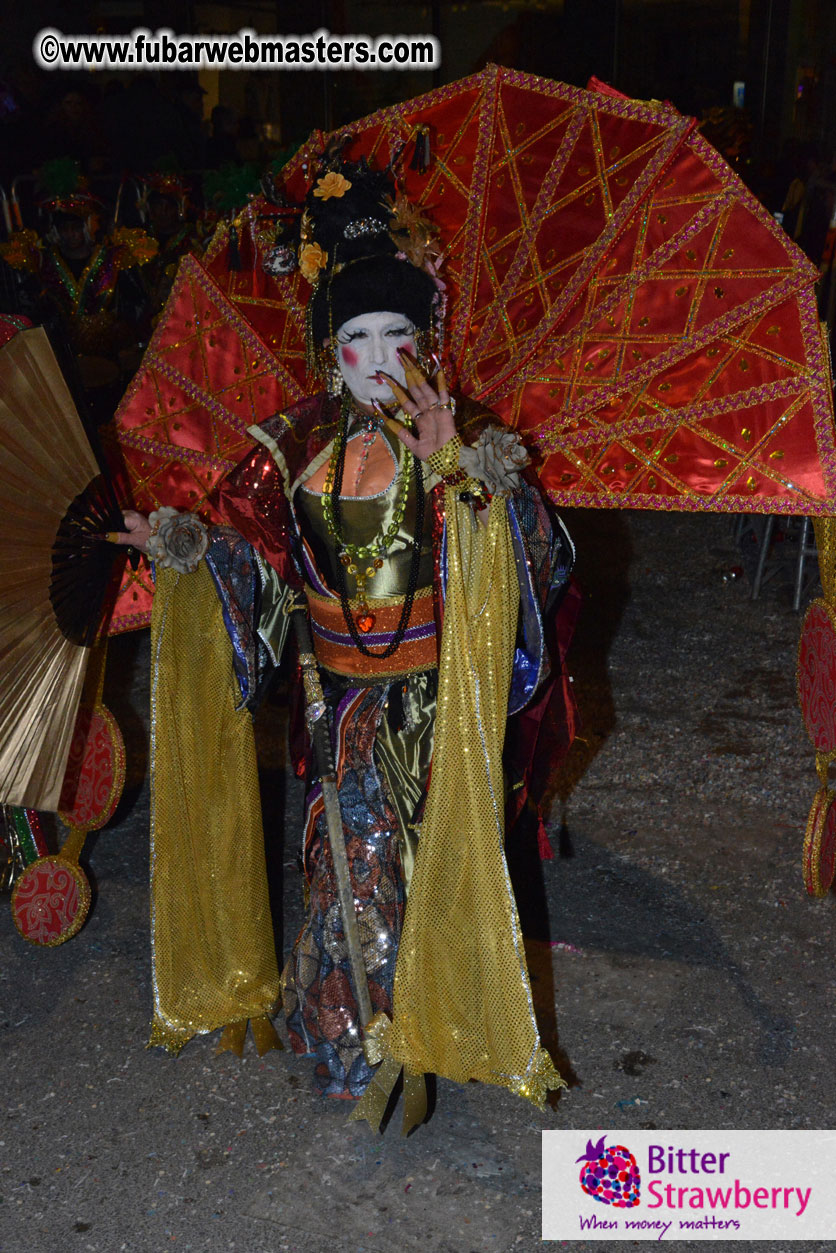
x: 610, y: 1175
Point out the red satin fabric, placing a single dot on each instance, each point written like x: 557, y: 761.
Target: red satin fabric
x: 613, y: 290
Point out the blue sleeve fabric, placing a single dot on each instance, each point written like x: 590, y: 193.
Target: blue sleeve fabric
x: 234, y: 568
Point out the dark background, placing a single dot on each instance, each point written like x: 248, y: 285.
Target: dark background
x: 690, y: 52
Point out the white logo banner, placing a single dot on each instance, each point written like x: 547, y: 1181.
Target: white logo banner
x: 688, y: 1185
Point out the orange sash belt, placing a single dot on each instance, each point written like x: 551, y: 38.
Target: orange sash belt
x: 335, y: 649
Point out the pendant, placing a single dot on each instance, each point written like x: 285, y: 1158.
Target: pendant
x: 365, y: 619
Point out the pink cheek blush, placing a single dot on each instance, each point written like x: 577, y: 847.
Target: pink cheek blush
x: 349, y: 356
x: 407, y: 347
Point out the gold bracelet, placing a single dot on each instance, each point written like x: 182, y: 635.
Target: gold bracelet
x: 445, y: 463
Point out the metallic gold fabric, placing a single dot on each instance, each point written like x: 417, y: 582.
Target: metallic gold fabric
x: 446, y: 459
x: 404, y: 756
x: 265, y: 1035
x: 363, y: 518
x: 214, y: 960
x: 273, y: 622
x: 463, y: 1006
x: 233, y: 1038
x: 825, y: 532
x: 45, y: 462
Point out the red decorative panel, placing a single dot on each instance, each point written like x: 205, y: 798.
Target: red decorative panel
x: 95, y: 770
x: 614, y: 291
x: 50, y: 901
x: 817, y: 675
x: 820, y: 844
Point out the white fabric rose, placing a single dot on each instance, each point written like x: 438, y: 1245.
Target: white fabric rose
x: 496, y: 459
x: 177, y: 540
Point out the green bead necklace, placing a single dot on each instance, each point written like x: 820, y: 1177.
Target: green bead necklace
x: 364, y: 560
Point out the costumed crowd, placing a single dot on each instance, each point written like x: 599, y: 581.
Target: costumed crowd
x: 99, y: 286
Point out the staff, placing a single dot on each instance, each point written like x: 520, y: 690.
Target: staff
x: 316, y: 718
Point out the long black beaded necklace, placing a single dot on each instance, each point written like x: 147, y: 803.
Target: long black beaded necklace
x: 414, y: 565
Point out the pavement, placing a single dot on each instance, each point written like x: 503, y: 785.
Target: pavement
x: 682, y: 976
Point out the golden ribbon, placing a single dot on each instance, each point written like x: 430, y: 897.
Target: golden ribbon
x: 379, y: 1094
x: 234, y: 1036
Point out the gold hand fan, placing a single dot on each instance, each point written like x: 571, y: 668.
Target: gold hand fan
x: 54, y: 568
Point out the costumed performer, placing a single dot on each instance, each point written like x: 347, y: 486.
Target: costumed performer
x: 88, y: 280
x: 430, y: 561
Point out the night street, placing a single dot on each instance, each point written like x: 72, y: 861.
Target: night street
x: 687, y: 973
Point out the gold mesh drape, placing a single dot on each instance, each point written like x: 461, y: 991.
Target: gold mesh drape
x: 462, y: 1004
x: 214, y: 960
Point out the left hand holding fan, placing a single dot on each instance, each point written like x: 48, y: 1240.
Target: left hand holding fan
x: 137, y: 531
x: 170, y: 538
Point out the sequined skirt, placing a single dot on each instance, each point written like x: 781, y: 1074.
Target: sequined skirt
x: 383, y: 745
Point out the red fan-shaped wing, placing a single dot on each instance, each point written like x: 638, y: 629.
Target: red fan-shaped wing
x: 614, y: 291
x: 208, y: 375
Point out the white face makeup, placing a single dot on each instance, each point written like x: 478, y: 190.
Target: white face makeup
x: 369, y: 343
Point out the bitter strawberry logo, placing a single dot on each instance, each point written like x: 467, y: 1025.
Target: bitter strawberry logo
x: 610, y: 1175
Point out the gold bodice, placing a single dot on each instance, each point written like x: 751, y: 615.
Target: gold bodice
x: 364, y: 517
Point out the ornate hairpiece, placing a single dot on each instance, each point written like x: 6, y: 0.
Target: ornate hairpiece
x: 364, y: 226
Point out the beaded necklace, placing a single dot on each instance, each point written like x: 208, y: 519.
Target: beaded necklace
x: 352, y: 554
x: 369, y: 436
